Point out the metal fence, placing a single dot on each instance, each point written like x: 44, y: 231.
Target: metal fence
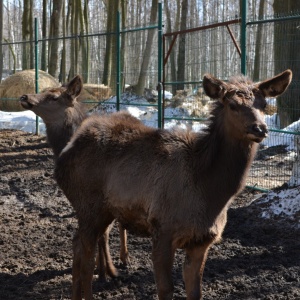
x: 125, y: 74
x: 251, y: 45
x: 258, y: 48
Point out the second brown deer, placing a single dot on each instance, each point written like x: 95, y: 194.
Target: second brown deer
x: 62, y: 115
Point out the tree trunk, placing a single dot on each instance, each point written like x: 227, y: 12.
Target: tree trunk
x: 285, y: 57
x: 1, y: 39
x: 85, y: 43
x: 147, y: 53
x: 26, y: 35
x: 288, y: 55
x: 109, y: 74
x: 63, y: 68
x: 173, y: 52
x: 13, y: 56
x: 54, y: 33
x: 181, y: 47
x: 74, y: 41
x: 124, y: 5
x: 258, y: 43
x: 31, y: 36
x: 44, y: 36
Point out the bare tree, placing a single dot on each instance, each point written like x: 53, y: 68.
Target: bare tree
x: 147, y: 52
x: 124, y: 5
x: 72, y: 22
x: 26, y: 33
x: 54, y: 33
x: 258, y: 43
x: 181, y: 47
x: 31, y: 36
x: 285, y: 57
x: 109, y: 75
x: 84, y: 25
x: 1, y: 39
x: 63, y: 73
x: 170, y: 28
x: 44, y: 36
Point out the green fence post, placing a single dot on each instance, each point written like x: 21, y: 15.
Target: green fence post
x: 159, y: 76
x: 118, y: 93
x: 243, y: 37
x: 37, y: 127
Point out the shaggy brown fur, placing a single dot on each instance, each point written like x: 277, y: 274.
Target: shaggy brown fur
x: 174, y: 185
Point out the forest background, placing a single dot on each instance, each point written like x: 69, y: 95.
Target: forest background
x: 77, y: 37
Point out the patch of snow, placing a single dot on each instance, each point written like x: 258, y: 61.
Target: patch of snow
x: 271, y: 101
x: 285, y: 203
x: 168, y: 95
x: 272, y: 121
x: 281, y: 138
x: 21, y: 120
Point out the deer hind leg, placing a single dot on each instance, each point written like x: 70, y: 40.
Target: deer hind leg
x: 162, y: 257
x: 104, y: 262
x: 124, y: 255
x: 193, y: 270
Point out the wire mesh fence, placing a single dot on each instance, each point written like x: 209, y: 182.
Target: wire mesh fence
x: 213, y: 47
x: 270, y: 49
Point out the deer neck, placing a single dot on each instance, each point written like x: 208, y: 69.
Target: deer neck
x: 59, y: 133
x: 222, y: 167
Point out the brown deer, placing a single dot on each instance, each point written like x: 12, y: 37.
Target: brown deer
x: 175, y: 186
x: 63, y: 114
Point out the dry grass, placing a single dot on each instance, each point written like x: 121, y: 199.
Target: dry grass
x: 94, y: 93
x: 23, y: 82
x: 20, y: 83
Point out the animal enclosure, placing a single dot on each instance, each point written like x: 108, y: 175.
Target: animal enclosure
x: 119, y: 149
x: 234, y: 41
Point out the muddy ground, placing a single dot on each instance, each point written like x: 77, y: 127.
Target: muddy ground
x: 257, y: 258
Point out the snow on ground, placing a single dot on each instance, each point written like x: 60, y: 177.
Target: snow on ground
x: 21, y: 120
x: 276, y: 138
x: 284, y: 203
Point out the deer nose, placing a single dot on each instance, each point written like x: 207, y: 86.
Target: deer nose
x: 24, y: 100
x: 260, y: 129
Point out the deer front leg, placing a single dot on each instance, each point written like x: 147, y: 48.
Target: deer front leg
x: 88, y: 247
x: 193, y: 270
x: 162, y: 257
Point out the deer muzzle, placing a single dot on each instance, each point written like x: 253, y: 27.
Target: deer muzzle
x: 24, y: 100
x: 257, y: 132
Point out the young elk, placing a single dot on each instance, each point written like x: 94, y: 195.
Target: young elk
x: 183, y: 189
x: 62, y: 115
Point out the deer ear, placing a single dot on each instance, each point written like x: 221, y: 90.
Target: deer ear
x: 213, y: 87
x: 277, y: 85
x: 74, y: 87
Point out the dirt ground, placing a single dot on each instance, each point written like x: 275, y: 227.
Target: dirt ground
x: 257, y: 258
